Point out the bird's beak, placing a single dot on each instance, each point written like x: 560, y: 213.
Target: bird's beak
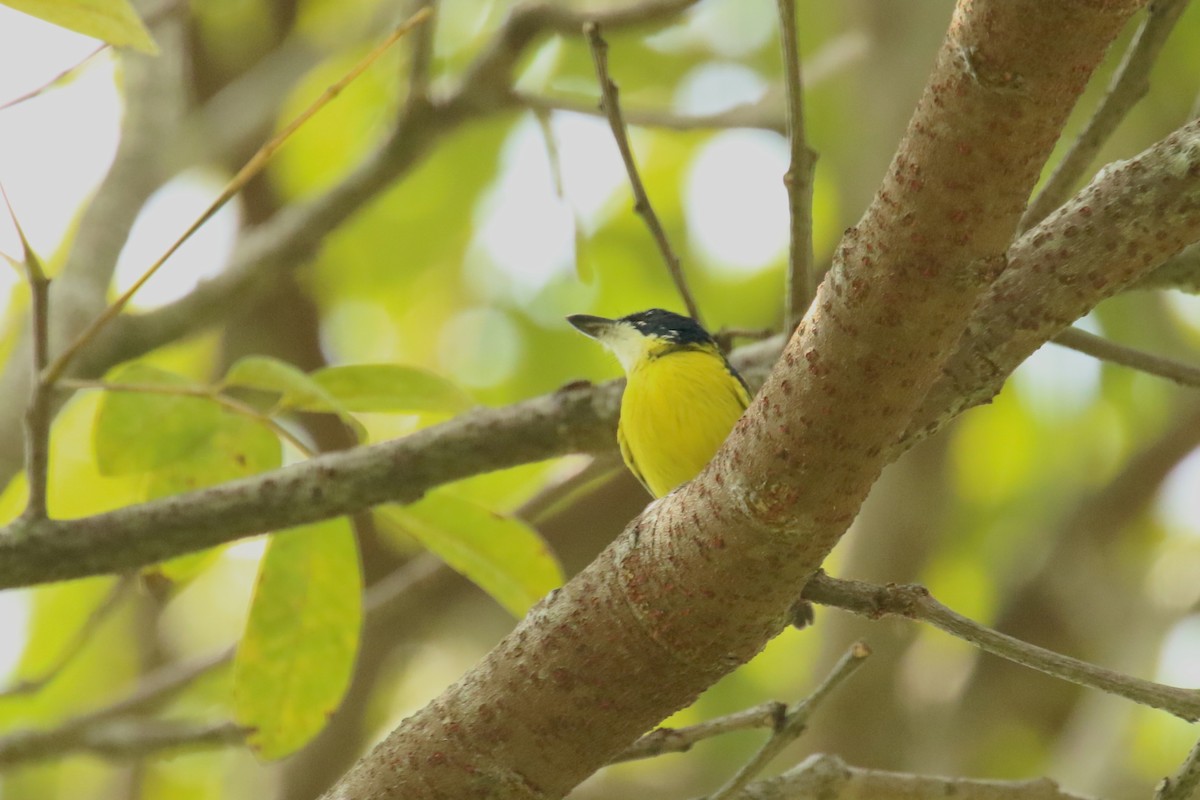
x: 592, y: 326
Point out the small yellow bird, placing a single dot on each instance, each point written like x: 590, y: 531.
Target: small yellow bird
x: 681, y: 399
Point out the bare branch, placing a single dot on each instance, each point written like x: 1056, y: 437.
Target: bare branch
x: 680, y: 740
x: 801, y: 276
x: 761, y: 115
x: 37, y: 413
x: 117, y: 739
x: 152, y: 112
x: 330, y: 485
x: 794, y: 722
x: 1180, y: 272
x: 1132, y: 217
x: 641, y: 201
x: 823, y: 777
x: 289, y: 239
x: 915, y: 602
x: 251, y: 168
x: 1043, y: 290
x: 1105, y: 350
x: 1129, y: 84
x: 764, y: 114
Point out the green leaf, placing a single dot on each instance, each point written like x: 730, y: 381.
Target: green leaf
x: 391, y: 387
x: 113, y: 21
x: 238, y: 448
x: 296, y: 658
x: 241, y: 447
x: 296, y: 389
x: 142, y: 431
x: 502, y: 555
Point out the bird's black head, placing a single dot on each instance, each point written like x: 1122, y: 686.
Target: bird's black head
x: 668, y: 325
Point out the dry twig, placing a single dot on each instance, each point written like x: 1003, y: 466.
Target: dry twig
x: 641, y: 201
x: 801, y: 276
x: 915, y: 602
x: 1098, y: 347
x: 794, y: 722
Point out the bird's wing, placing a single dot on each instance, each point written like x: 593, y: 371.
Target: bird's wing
x: 627, y: 456
x: 741, y: 390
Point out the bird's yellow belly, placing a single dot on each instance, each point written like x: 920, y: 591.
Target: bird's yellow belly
x: 675, y: 413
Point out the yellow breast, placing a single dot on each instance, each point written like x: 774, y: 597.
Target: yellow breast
x: 676, y: 411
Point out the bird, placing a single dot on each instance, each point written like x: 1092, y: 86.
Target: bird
x: 682, y: 396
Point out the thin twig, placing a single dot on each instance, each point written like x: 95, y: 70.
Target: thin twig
x: 760, y: 115
x: 73, y: 648
x: 251, y: 168
x: 1182, y: 785
x: 915, y: 602
x: 117, y: 739
x: 32, y: 93
x: 149, y: 19
x: 794, y: 721
x: 1129, y: 84
x: 422, y: 51
x: 680, y: 740
x: 1106, y: 350
x: 37, y: 413
x: 612, y: 109
x: 801, y: 277
x: 205, y: 392
x: 556, y: 176
x: 570, y: 490
x: 830, y: 778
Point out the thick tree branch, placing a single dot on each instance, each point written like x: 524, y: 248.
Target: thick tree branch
x: 1131, y: 218
x: 1129, y: 84
x: 1054, y: 275
x: 328, y: 485
x: 1162, y: 179
x: 705, y: 576
x: 287, y: 240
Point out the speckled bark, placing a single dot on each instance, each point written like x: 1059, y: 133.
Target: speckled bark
x: 1133, y: 216
x: 700, y: 582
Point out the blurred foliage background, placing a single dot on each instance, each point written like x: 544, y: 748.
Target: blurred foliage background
x: 1080, y: 477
